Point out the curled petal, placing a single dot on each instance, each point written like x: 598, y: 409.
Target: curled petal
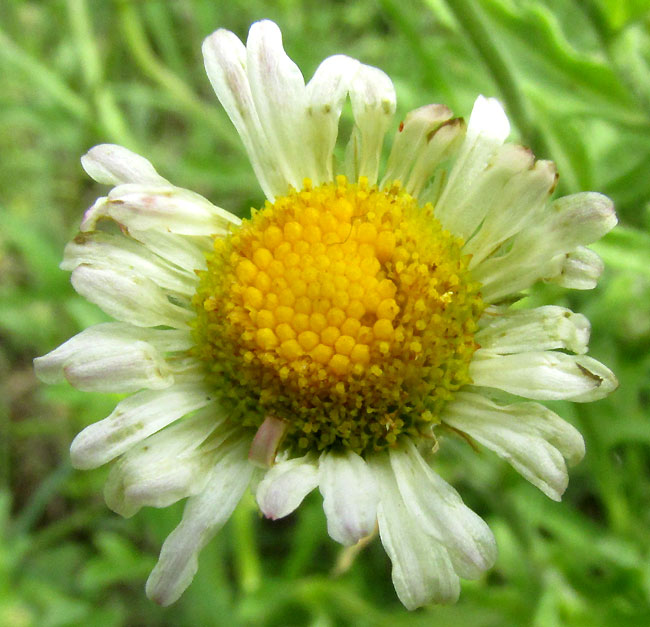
x: 266, y: 441
x: 349, y: 496
x: 373, y: 105
x: 422, y: 571
x: 167, y: 466
x: 114, y: 357
x: 529, y: 436
x: 580, y: 270
x: 204, y: 515
x: 113, y: 165
x: 542, y: 328
x: 285, y: 486
x: 132, y: 420
x: 544, y: 375
x: 442, y: 514
x: 129, y: 297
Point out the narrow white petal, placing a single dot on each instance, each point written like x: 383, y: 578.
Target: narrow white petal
x: 136, y: 366
x: 413, y: 135
x: 543, y: 328
x: 107, y: 342
x: 225, y: 63
x: 285, y: 486
x: 488, y: 120
x: 488, y: 191
x: 185, y: 251
x: 581, y: 219
x: 204, y: 515
x: 543, y: 375
x: 441, y: 145
x: 373, y: 104
x: 127, y: 297
x: 516, y: 206
x: 581, y: 270
x: 326, y: 94
x: 167, y: 466
x: 422, y: 571
x: 529, y: 436
x: 487, y: 130
x: 125, y: 255
x: 440, y: 511
x: 278, y: 91
x: 167, y: 209
x: 132, y: 420
x: 113, y: 165
x: 539, y: 252
x: 96, y: 212
x: 349, y: 496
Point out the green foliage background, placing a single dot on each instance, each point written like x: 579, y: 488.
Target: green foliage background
x: 574, y: 76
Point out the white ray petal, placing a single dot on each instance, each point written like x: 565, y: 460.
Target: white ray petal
x: 543, y: 375
x: 373, y: 104
x: 441, y: 145
x: 114, y: 357
x: 488, y: 192
x: 422, y: 571
x: 581, y: 269
x: 413, y: 135
x: 185, y: 251
x: 518, y: 205
x: 113, y: 165
x: 226, y: 65
x: 102, y: 369
x: 125, y: 255
x: 285, y: 486
x: 204, y: 515
x: 167, y: 466
x: 278, y: 91
x: 133, y: 419
x: 166, y: 209
x: 487, y: 129
x: 326, y: 94
x: 539, y: 329
x: 529, y: 436
x: 441, y: 513
x: 128, y: 297
x: 539, y: 252
x: 349, y: 496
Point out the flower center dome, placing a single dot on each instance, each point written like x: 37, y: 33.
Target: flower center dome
x: 343, y: 310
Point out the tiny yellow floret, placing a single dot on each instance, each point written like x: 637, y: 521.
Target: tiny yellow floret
x: 339, y: 364
x: 344, y: 345
x: 266, y: 339
x: 308, y: 340
x: 383, y: 329
x: 262, y: 258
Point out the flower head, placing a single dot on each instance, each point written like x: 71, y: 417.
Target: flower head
x: 325, y: 341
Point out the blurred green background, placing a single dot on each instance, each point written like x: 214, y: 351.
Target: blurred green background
x: 574, y: 76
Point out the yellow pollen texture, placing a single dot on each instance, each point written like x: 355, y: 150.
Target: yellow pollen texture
x: 343, y: 309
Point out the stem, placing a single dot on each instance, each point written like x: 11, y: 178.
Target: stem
x: 414, y: 39
x: 108, y: 113
x: 633, y: 75
x: 43, y: 495
x: 143, y: 55
x: 44, y: 78
x: 468, y: 16
x: 249, y: 570
x: 5, y: 443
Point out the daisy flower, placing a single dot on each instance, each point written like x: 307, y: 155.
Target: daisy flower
x: 326, y: 341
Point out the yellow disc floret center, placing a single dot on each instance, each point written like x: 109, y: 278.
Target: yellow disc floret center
x: 344, y: 310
